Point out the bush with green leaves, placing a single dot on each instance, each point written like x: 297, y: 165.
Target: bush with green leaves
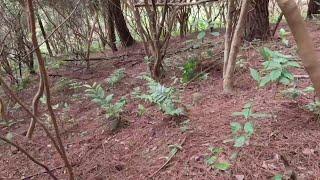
x: 116, y: 77
x: 243, y: 132
x: 295, y: 93
x: 98, y: 95
x: 275, y: 68
x: 283, y: 36
x: 314, y: 107
x: 164, y: 97
x: 189, y: 70
x: 214, y: 162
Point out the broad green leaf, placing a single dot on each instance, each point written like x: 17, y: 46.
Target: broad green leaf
x: 201, y: 35
x: 271, y: 65
x: 249, y: 128
x: 288, y: 75
x: 278, y: 177
x: 240, y: 141
x: 293, y: 64
x: 255, y: 74
x: 211, y: 160
x: 282, y: 33
x: 284, y: 81
x: 223, y: 166
x: 266, y: 53
x: 247, y: 113
x: 235, y: 127
x: 275, y: 75
x: 215, y: 33
x: 264, y: 81
x: 309, y: 89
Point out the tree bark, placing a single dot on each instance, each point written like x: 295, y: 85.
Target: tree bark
x: 110, y: 28
x: 44, y: 77
x: 120, y: 23
x: 306, y: 49
x: 44, y: 34
x: 234, y: 49
x: 313, y: 8
x: 257, y: 20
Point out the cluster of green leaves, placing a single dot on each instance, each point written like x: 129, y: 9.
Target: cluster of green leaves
x: 23, y: 84
x: 189, y: 70
x: 243, y: 132
x: 283, y: 35
x: 314, y: 107
x: 66, y: 83
x: 98, y: 95
x: 275, y: 68
x: 164, y: 97
x: 295, y: 93
x: 116, y: 77
x: 214, y: 162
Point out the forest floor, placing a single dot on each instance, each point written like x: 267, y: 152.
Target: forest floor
x: 285, y: 143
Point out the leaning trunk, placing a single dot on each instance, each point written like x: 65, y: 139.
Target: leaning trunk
x: 257, y: 20
x: 306, y: 49
x: 121, y: 26
x: 313, y: 8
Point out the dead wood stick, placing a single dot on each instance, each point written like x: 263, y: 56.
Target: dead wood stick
x: 277, y: 24
x: 167, y: 162
x: 30, y: 157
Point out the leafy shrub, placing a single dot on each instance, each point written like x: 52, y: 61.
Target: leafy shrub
x: 275, y: 68
x: 214, y: 162
x: 314, y: 107
x: 283, y: 35
x: 97, y: 94
x: 189, y: 70
x: 116, y: 77
x: 160, y: 95
x: 243, y: 132
x: 294, y: 93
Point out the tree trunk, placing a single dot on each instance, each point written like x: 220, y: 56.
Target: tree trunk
x: 44, y: 34
x: 234, y: 49
x: 313, y: 8
x: 110, y: 26
x: 257, y: 20
x: 306, y: 49
x: 120, y: 22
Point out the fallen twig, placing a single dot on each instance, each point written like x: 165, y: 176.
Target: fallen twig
x: 169, y: 159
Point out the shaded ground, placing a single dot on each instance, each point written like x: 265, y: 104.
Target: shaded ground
x: 287, y: 142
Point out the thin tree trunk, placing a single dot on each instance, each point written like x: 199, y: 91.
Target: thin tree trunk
x: 120, y: 22
x: 234, y: 49
x: 44, y: 34
x: 228, y: 34
x: 44, y: 76
x: 306, y: 49
x: 110, y: 27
